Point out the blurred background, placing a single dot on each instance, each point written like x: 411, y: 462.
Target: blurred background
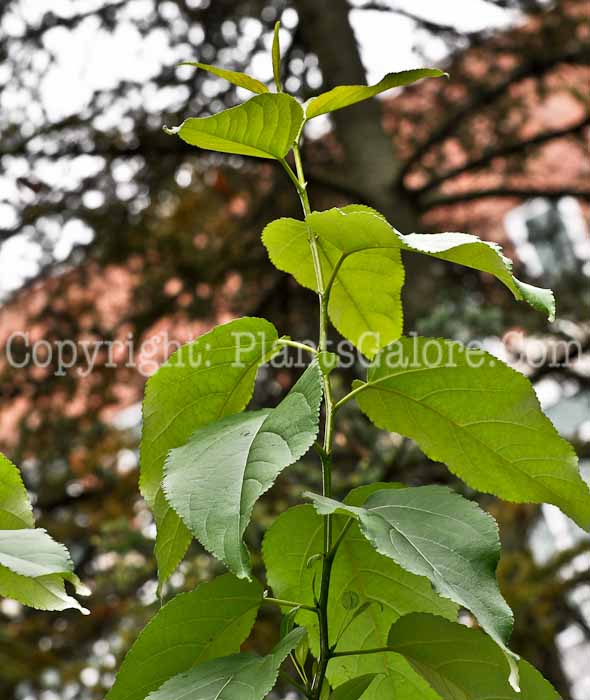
x: 112, y: 231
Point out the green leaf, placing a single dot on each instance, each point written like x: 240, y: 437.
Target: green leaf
x: 356, y: 245
x: 234, y: 77
x: 209, y: 622
x: 366, y: 313
x: 433, y: 532
x: 214, y: 480
x: 237, y: 677
x: 353, y: 689
x: 15, y: 508
x: 460, y: 663
x: 470, y: 251
x: 346, y: 95
x: 33, y: 568
x: 276, y: 57
x: 202, y: 382
x: 467, y: 409
x: 357, y: 229
x: 294, y: 538
x: 265, y: 126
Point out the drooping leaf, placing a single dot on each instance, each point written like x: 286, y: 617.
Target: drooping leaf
x: 356, y: 229
x: 367, y: 313
x: 15, y: 508
x: 289, y: 548
x: 214, y: 480
x: 202, y: 382
x: 265, y: 126
x: 467, y: 409
x: 433, y: 532
x: 364, y: 247
x: 346, y: 95
x: 276, y: 57
x: 207, y: 623
x: 354, y: 688
x: 461, y: 663
x: 237, y: 677
x: 33, y: 569
x: 234, y: 77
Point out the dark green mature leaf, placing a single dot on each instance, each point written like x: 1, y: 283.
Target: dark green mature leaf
x: 353, y: 689
x: 202, y: 382
x: 234, y: 77
x: 276, y: 56
x: 433, y: 532
x: 237, y: 677
x: 209, y: 622
x: 366, y: 313
x: 293, y: 539
x: 33, y: 568
x: 460, y: 663
x: 214, y: 480
x: 467, y: 409
x: 15, y: 508
x: 265, y: 126
x: 346, y: 95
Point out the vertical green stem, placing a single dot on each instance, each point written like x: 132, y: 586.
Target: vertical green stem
x: 325, y: 651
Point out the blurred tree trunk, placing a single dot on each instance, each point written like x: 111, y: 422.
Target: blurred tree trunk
x: 371, y: 164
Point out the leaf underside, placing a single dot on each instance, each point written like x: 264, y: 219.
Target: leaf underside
x: 214, y: 480
x: 433, y: 532
x: 202, y: 382
x: 358, y: 569
x: 237, y: 677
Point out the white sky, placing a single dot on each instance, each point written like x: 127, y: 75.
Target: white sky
x: 89, y: 59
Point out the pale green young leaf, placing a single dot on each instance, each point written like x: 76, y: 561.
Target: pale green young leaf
x: 209, y: 622
x: 461, y: 663
x: 276, y: 56
x: 265, y: 126
x: 355, y: 229
x: 202, y: 382
x: 237, y: 677
x: 346, y: 95
x: 214, y: 480
x: 366, y: 313
x: 234, y: 77
x: 467, y: 409
x: 293, y: 539
x: 15, y: 508
x: 34, y: 568
x: 354, y: 688
x: 433, y: 532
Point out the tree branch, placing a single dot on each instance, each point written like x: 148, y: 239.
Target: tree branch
x: 516, y: 192
x: 535, y: 68
x: 503, y: 151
